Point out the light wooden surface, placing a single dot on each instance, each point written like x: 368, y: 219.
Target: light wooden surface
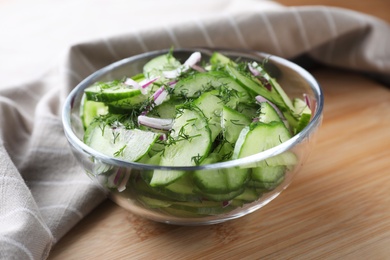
x: 378, y: 8
x: 338, y: 207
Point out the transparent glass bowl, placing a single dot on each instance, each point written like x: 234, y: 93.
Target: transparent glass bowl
x: 124, y: 181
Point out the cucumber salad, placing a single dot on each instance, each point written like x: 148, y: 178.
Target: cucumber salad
x: 192, y: 113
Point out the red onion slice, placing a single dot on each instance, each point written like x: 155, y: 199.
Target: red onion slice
x: 172, y: 74
x: 307, y: 100
x: 198, y: 68
x: 190, y: 62
x: 193, y: 59
x: 160, y: 95
x: 254, y: 71
x: 122, y: 185
x: 226, y: 203
x: 156, y: 123
x: 146, y: 82
x: 133, y: 83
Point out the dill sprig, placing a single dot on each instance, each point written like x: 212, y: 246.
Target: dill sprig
x: 197, y: 159
x: 121, y: 151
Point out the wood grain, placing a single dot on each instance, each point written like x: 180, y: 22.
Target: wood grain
x: 378, y: 8
x: 338, y: 207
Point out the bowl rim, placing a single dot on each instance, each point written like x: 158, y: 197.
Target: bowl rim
x: 79, y: 145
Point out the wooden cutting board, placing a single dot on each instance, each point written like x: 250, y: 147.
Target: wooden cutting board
x: 338, y: 207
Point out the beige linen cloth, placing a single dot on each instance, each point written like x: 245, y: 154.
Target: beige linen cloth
x: 44, y: 192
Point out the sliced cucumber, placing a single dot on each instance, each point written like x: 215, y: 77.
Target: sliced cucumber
x: 157, y: 65
x: 118, y: 141
x: 260, y: 137
x: 268, y: 113
x: 166, y: 110
x: 211, y: 106
x: 232, y: 123
x: 303, y: 112
x: 268, y: 174
x: 221, y: 196
x: 250, y: 110
x: 190, y: 133
x: 224, y: 151
x: 218, y: 59
x: 250, y: 194
x: 110, y: 91
x: 247, y: 82
x: 92, y: 109
x: 143, y: 187
x: 154, y: 202
x: 195, y: 85
x: 266, y: 186
x: 220, y: 181
x: 129, y: 103
x: 182, y: 186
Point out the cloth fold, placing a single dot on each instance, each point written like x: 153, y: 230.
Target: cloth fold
x: 44, y: 192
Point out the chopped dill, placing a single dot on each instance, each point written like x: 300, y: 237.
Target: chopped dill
x: 120, y: 152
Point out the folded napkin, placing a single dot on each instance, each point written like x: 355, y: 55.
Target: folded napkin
x: 44, y: 192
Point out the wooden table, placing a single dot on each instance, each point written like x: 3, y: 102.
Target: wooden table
x: 338, y: 207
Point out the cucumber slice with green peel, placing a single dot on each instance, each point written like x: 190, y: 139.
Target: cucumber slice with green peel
x: 224, y: 151
x: 155, y: 67
x: 267, y: 186
x: 268, y: 174
x: 220, y: 181
x: 275, y: 87
x: 153, y: 157
x: 211, y: 106
x: 218, y: 59
x: 165, y: 110
x: 138, y: 77
x: 250, y: 194
x: 142, y: 187
x: 260, y: 137
x: 276, y: 95
x: 110, y: 91
x: 250, y: 110
x: 232, y: 123
x: 288, y: 159
x: 279, y: 97
x: 248, y: 83
x: 154, y: 202
x: 303, y: 112
x: 193, y: 86
x: 128, y: 103
x: 183, y: 185
x: 190, y: 133
x: 220, y: 197
x: 237, y: 203
x: 268, y: 113
x: 90, y: 110
x: 240, y: 141
x: 119, y: 142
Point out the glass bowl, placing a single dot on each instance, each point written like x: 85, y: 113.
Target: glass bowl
x: 124, y: 181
